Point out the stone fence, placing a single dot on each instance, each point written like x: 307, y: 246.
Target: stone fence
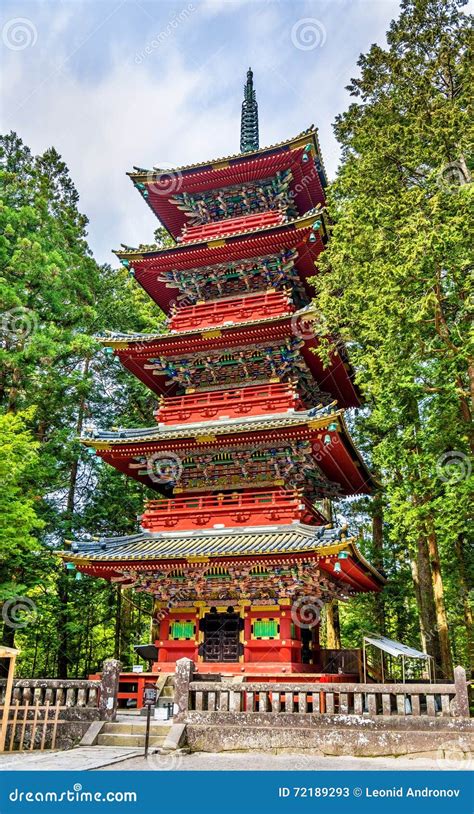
x: 75, y: 695
x: 449, y: 700
x: 66, y: 693
x: 54, y: 712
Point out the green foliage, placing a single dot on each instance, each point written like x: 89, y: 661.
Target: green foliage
x: 20, y: 523
x: 54, y: 380
x: 394, y: 282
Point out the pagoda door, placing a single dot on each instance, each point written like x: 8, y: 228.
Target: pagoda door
x: 221, y: 636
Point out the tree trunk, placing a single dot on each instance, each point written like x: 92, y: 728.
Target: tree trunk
x: 440, y: 607
x: 63, y: 581
x: 377, y: 540
x: 423, y: 621
x: 333, y: 628
x: 71, y: 497
x: 125, y: 629
x: 14, y: 391
x: 156, y: 616
x: 463, y: 582
x: 8, y: 640
x: 63, y: 619
x: 427, y: 608
x: 118, y: 622
x: 327, y: 509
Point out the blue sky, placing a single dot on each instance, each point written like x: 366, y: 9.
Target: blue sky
x: 112, y: 83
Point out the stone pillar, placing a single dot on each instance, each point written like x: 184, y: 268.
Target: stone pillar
x: 461, y: 702
x: 183, y: 677
x: 109, y: 685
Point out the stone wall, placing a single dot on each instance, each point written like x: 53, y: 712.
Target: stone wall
x: 324, y: 719
x: 341, y: 740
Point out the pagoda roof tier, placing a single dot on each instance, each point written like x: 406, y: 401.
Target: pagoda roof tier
x: 300, y: 156
x: 166, y: 553
x: 163, y: 272
x: 274, y: 348
x: 329, y: 449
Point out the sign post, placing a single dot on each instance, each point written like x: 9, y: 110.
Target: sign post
x: 149, y: 701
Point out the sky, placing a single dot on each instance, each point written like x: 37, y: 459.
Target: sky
x: 116, y: 83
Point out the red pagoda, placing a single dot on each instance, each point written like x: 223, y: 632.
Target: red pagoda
x: 250, y: 445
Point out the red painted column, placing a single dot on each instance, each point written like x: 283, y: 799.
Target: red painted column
x: 164, y: 638
x: 247, y: 634
x: 285, y: 635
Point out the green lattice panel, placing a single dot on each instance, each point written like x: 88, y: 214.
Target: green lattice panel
x: 265, y: 629
x: 182, y: 630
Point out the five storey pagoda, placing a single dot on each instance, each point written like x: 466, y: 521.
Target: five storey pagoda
x: 250, y: 445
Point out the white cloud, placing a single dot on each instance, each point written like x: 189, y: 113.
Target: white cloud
x: 80, y: 89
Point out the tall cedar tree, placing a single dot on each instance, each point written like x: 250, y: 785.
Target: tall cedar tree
x: 394, y: 283
x: 54, y: 379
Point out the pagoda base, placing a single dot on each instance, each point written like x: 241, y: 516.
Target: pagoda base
x: 263, y: 671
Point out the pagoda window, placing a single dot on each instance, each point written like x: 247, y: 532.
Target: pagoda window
x: 265, y: 629
x: 259, y: 571
x: 177, y: 574
x: 182, y: 629
x: 217, y: 573
x: 223, y: 457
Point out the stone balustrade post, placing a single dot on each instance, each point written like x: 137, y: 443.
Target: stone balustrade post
x: 462, y: 696
x: 182, y: 679
x: 109, y: 685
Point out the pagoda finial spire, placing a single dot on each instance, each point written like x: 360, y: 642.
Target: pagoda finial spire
x: 249, y: 118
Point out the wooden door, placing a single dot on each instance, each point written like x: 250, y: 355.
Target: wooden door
x: 221, y: 637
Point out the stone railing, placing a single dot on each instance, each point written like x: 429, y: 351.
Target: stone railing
x: 74, y: 694
x: 372, y: 700
x: 53, y: 691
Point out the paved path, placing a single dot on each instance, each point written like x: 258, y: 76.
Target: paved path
x: 264, y: 761
x: 111, y: 758
x: 83, y: 758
